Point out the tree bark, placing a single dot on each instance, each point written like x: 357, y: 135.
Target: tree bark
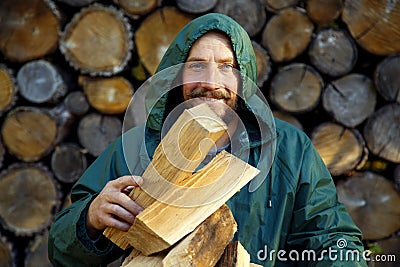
x: 8, y: 89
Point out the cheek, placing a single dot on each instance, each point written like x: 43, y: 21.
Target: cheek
x: 187, y: 88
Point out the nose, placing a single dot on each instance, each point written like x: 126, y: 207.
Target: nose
x: 210, y: 79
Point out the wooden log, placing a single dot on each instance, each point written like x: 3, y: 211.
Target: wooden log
x: 288, y: 118
x: 296, y: 88
x: 382, y: 132
x: 324, y: 12
x: 372, y: 202
x: 36, y: 252
x: 40, y: 82
x: 155, y: 229
x: 342, y: 149
x: 27, y: 183
x: 136, y: 8
x: 287, y: 34
x: 389, y: 248
x: 263, y: 63
x: 248, y: 13
x: 205, y: 245
x: 137, y: 259
x: 172, y: 166
x: 29, y: 30
x: 77, y: 3
x: 164, y: 24
x: 29, y: 133
x: 196, y: 7
x: 373, y: 23
x: 107, y: 95
x: 7, y: 256
x: 8, y: 89
x: 235, y: 255
x: 96, y: 132
x: 76, y: 103
x: 97, y: 41
x: 387, y: 78
x: 68, y: 162
x: 277, y: 5
x: 350, y: 99
x: 333, y: 52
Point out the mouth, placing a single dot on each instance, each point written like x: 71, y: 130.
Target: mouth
x: 210, y: 96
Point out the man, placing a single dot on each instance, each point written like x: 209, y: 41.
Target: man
x: 292, y: 209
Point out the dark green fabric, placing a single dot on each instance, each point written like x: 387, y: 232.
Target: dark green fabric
x: 305, y: 213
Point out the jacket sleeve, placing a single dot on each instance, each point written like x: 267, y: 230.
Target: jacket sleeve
x: 69, y: 243
x: 320, y: 223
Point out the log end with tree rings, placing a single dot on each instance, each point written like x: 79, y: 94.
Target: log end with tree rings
x: 382, y: 132
x: 372, y: 202
x: 387, y: 78
x: 77, y: 3
x: 277, y: 5
x: 7, y: 256
x: 107, y: 95
x: 287, y: 34
x: 68, y: 162
x: 29, y: 198
x: 195, y: 6
x: 296, y: 88
x: 40, y: 82
x: 341, y: 149
x: 29, y: 133
x: 250, y: 14
x: 8, y: 89
x: 288, y: 118
x: 374, y: 25
x: 76, y: 103
x: 324, y: 12
x: 97, y: 41
x: 333, y: 52
x: 350, y: 99
x: 29, y: 29
x: 263, y: 63
x: 136, y: 8
x: 164, y: 24
x: 96, y: 132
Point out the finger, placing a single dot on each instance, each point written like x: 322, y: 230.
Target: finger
x: 128, y: 204
x: 117, y: 224
x: 122, y: 214
x: 127, y: 180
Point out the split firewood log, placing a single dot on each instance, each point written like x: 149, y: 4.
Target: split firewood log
x: 7, y: 255
x: 163, y: 24
x: 333, y: 52
x: 196, y: 7
x: 277, y: 5
x: 382, y: 132
x: 36, y: 251
x: 248, y: 13
x: 8, y: 89
x: 136, y: 8
x: 97, y: 41
x: 296, y: 88
x: 342, y: 149
x: 96, y: 132
x: 107, y: 95
x: 263, y: 63
x: 387, y: 78
x: 324, y: 12
x: 40, y: 82
x: 287, y: 34
x: 373, y: 23
x: 372, y: 202
x: 350, y: 99
x: 23, y: 183
x: 29, y: 29
x: 235, y: 255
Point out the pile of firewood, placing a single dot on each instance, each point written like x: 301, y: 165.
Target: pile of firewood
x: 68, y: 69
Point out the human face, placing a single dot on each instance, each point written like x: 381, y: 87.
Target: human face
x: 210, y: 74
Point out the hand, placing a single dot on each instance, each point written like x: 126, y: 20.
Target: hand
x: 113, y: 207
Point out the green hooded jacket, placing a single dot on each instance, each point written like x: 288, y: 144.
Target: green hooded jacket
x: 293, y: 213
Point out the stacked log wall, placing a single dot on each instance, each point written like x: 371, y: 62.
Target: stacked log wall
x: 322, y: 67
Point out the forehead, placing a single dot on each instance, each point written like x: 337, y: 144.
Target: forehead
x: 212, y: 42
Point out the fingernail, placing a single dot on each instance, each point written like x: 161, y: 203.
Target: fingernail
x: 138, y: 180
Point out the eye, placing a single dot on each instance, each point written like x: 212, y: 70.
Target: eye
x: 226, y: 66
x: 196, y: 66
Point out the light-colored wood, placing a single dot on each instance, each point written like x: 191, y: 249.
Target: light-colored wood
x: 350, y: 99
x: 107, y: 95
x: 29, y: 29
x: 277, y: 5
x: 342, y: 149
x: 235, y: 255
x: 287, y: 34
x: 263, y: 63
x: 136, y: 8
x: 188, y: 132
x: 8, y: 89
x: 250, y: 14
x: 324, y: 12
x: 372, y: 202
x: 155, y: 228
x: 333, y: 52
x: 205, y: 245
x: 137, y: 259
x: 372, y: 23
x: 163, y: 24
x: 387, y: 78
x: 97, y: 41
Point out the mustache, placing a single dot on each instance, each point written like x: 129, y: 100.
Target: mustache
x: 201, y: 92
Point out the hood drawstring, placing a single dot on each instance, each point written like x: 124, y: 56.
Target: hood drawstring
x: 269, y: 199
